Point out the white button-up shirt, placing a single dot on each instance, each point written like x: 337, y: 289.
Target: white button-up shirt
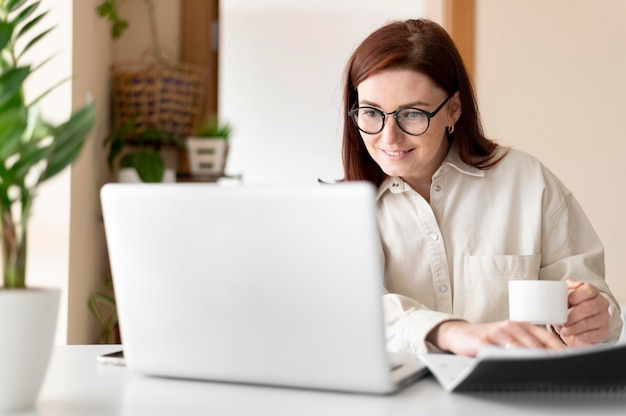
x: 453, y: 257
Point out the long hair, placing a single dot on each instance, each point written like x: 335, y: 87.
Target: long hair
x: 423, y: 46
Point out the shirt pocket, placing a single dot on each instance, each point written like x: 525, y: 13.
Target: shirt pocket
x: 486, y: 283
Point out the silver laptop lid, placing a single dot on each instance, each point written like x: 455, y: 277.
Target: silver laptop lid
x: 259, y: 284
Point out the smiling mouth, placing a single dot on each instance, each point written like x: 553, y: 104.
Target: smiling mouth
x: 396, y: 153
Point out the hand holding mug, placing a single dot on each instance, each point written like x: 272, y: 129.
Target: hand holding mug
x: 588, y: 318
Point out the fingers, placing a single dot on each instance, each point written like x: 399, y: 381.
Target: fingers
x: 524, y: 335
x: 463, y: 338
x: 588, y: 318
x: 573, y: 284
x: 592, y: 337
x: 596, y: 307
x: 584, y: 327
x: 580, y: 292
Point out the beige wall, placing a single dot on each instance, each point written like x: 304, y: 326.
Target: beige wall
x: 135, y: 43
x: 87, y: 261
x: 550, y: 81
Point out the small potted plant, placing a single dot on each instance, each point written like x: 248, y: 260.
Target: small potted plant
x: 32, y: 150
x: 208, y: 149
x: 139, y: 152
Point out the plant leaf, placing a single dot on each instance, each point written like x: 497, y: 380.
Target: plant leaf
x: 149, y: 166
x: 34, y: 41
x: 23, y: 15
x: 29, y: 149
x: 121, y: 132
x: 29, y: 157
x: 6, y: 31
x: 15, y: 102
x: 11, y: 82
x: 127, y: 161
x: 12, y: 126
x: 13, y: 5
x: 29, y: 25
x: 115, y: 149
x: 68, y: 140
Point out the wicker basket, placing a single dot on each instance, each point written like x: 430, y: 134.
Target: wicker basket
x: 168, y: 96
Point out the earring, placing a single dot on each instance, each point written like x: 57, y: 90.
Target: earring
x: 451, y: 129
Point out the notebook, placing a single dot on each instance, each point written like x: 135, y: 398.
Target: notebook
x: 266, y: 284
x: 597, y: 368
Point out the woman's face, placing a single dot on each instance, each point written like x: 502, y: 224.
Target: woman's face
x: 414, y: 158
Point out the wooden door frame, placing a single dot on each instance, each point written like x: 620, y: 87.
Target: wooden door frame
x: 198, y: 44
x: 460, y: 21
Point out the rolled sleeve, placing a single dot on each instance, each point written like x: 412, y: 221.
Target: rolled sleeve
x: 408, y: 324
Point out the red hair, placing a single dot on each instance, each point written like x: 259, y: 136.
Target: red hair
x: 423, y: 46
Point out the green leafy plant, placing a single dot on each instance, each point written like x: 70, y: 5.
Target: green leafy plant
x: 32, y: 150
x: 144, y: 154
x: 104, y: 310
x: 109, y: 10
x: 213, y: 128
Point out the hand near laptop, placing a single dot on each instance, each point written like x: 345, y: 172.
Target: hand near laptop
x: 587, y: 324
x: 464, y: 338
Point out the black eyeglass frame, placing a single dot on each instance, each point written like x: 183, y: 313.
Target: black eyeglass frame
x: 355, y: 111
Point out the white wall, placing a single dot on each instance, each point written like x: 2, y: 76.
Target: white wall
x: 280, y: 70
x: 550, y: 81
x: 47, y: 261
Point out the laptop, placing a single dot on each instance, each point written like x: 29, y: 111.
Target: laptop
x: 263, y: 284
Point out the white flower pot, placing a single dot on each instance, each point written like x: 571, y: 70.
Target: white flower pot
x: 206, y: 155
x: 130, y: 175
x: 28, y: 320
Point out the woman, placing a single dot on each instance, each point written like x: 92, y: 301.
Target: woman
x: 459, y: 215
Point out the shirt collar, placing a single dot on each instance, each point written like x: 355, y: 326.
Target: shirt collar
x: 453, y: 159
x: 396, y: 185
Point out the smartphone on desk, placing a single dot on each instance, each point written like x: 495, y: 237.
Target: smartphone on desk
x: 112, y: 358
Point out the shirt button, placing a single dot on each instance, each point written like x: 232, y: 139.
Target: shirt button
x: 443, y: 288
x: 437, y: 188
x: 434, y: 237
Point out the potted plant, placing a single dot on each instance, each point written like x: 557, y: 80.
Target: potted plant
x: 208, y: 149
x: 32, y: 150
x: 139, y: 152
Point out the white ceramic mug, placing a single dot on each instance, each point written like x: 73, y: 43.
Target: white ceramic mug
x: 538, y: 301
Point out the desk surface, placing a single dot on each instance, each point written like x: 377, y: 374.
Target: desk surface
x: 77, y: 385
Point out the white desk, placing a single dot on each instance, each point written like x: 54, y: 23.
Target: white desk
x: 77, y: 385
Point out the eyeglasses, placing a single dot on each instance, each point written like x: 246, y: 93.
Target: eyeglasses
x: 411, y: 120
